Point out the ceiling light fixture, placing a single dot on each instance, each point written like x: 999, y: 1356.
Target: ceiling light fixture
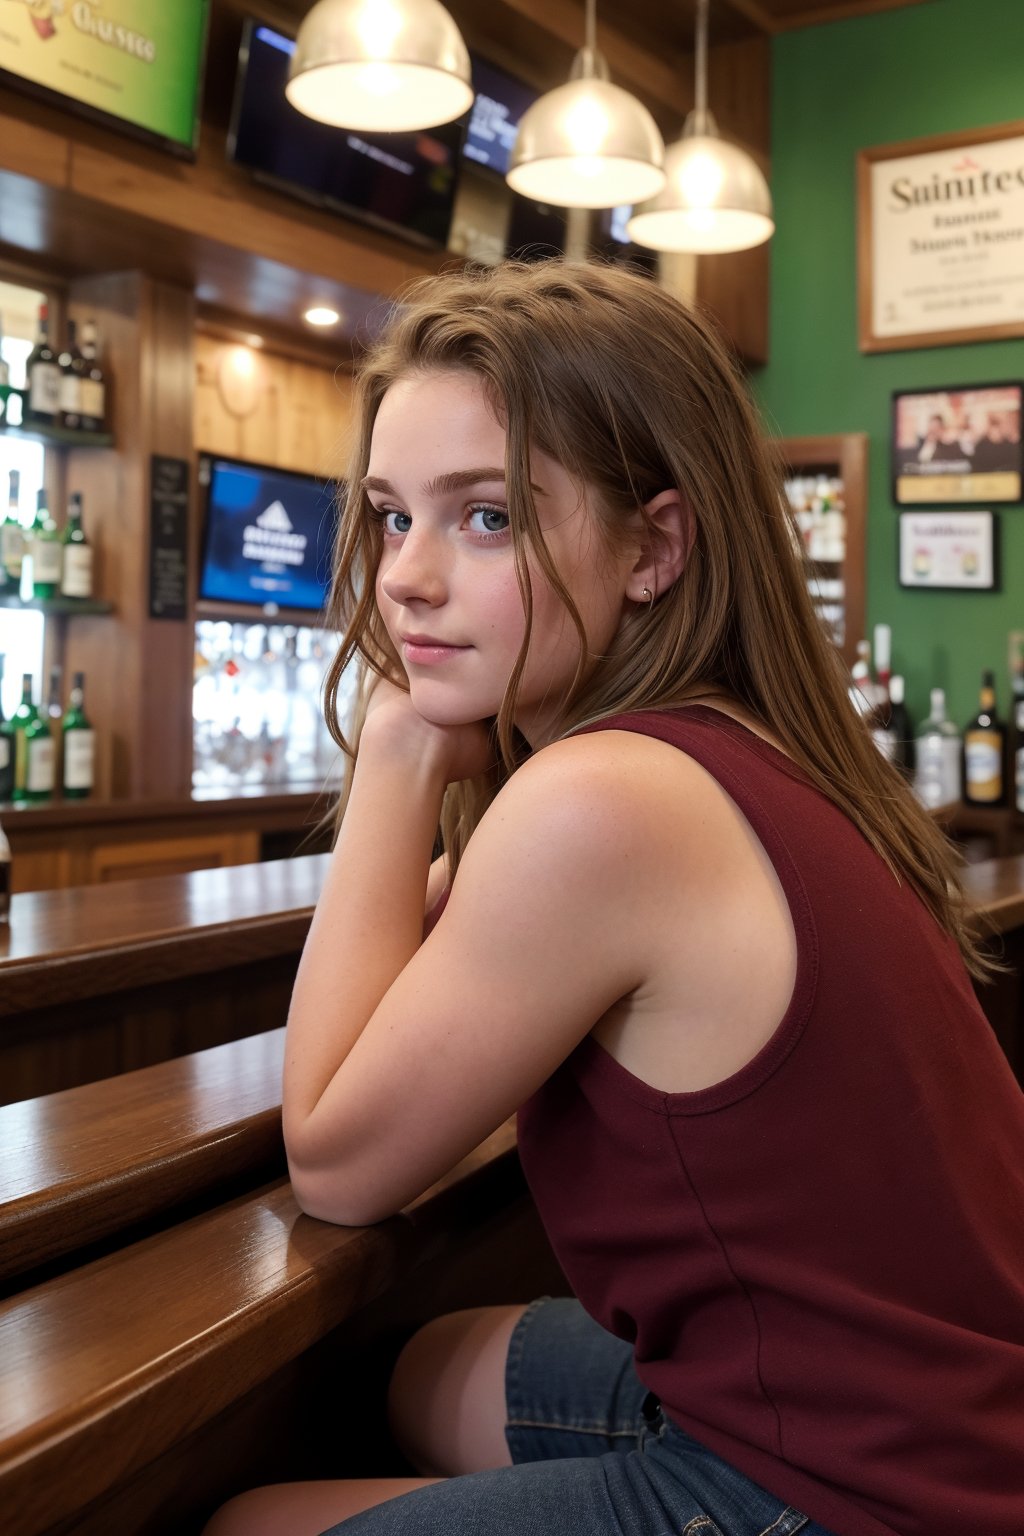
x: 715, y: 197
x: 380, y: 66
x: 587, y: 144
x: 321, y: 314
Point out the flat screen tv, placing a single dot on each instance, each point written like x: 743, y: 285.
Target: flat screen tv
x: 499, y: 102
x: 402, y: 182
x: 267, y: 538
x: 133, y: 65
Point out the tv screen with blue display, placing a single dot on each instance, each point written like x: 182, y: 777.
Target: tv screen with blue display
x: 268, y: 536
x: 499, y: 102
x: 404, y: 182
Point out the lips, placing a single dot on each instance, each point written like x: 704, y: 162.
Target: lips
x: 444, y: 645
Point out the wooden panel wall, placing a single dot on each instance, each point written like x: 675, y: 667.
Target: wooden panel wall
x: 251, y: 403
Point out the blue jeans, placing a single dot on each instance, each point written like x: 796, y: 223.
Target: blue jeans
x: 593, y: 1456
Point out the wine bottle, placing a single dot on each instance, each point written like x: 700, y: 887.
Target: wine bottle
x: 72, y: 366
x: 5, y: 878
x: 6, y: 746
x: 985, y: 750
x: 79, y: 741
x: 33, y: 749
x: 43, y: 373
x: 94, y: 385
x: 76, y: 562
x: 45, y: 548
x: 12, y: 537
x: 938, y: 776
x: 900, y: 726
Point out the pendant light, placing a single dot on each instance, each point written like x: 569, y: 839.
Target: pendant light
x: 587, y: 144
x: 380, y: 66
x: 715, y: 197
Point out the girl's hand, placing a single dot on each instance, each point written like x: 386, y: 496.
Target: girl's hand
x: 392, y: 724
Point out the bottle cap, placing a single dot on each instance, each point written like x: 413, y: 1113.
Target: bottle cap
x: 896, y: 688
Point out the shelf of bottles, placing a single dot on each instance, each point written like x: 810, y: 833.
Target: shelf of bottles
x: 257, y: 706
x: 818, y: 502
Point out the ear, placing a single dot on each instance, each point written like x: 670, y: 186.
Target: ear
x: 665, y: 551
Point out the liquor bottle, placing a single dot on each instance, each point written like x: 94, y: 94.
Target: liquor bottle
x: 985, y: 751
x: 54, y: 708
x: 5, y: 376
x: 33, y: 749
x: 5, y: 878
x: 6, y: 747
x: 94, y: 386
x: 938, y: 778
x: 76, y: 562
x: 72, y: 366
x: 900, y: 726
x: 1018, y: 756
x: 12, y: 537
x: 45, y: 549
x: 43, y: 374
x: 79, y: 740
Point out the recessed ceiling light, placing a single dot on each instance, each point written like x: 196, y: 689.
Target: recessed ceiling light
x: 321, y: 315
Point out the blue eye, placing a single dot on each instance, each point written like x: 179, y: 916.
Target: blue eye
x: 495, y: 519
x: 403, y: 520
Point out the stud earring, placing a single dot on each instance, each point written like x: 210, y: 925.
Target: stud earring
x: 648, y: 596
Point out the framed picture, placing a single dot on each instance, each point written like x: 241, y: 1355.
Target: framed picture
x: 940, y: 239
x: 951, y: 551
x: 958, y: 444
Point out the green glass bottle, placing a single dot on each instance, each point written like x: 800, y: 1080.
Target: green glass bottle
x: 76, y: 553
x: 44, y: 546
x: 6, y: 746
x: 33, y: 749
x: 79, y: 744
x: 12, y: 538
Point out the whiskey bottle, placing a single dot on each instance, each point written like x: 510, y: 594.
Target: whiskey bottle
x: 79, y: 740
x: 42, y: 371
x: 5, y: 878
x: 76, y: 561
x: 45, y: 549
x: 985, y: 751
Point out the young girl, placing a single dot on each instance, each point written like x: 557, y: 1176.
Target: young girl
x: 690, y: 924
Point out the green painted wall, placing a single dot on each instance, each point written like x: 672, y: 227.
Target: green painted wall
x: 929, y: 68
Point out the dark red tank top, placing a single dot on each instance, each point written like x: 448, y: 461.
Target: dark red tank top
x: 820, y: 1260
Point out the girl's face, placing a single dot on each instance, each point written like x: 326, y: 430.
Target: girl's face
x: 446, y: 583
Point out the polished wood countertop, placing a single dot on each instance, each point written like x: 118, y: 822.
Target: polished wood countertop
x: 238, y: 802
x: 62, y: 946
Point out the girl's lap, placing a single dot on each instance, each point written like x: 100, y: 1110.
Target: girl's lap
x: 593, y: 1456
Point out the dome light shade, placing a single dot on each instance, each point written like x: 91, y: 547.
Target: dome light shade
x: 714, y: 198
x: 380, y: 66
x: 587, y: 144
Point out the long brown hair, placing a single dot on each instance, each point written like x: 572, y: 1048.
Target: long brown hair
x: 633, y: 393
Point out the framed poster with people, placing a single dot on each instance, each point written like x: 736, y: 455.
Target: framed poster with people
x: 958, y: 445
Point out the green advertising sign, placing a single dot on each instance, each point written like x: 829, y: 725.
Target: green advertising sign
x: 138, y: 60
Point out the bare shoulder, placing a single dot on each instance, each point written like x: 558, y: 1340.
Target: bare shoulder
x: 603, y: 807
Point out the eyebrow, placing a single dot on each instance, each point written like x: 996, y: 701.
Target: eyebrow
x: 444, y: 485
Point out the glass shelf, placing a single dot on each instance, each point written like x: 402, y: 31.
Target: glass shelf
x: 65, y: 606
x: 58, y: 437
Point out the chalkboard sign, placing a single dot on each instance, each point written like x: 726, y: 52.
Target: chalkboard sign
x: 168, y: 537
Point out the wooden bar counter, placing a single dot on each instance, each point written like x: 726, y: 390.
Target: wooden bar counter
x: 99, y: 980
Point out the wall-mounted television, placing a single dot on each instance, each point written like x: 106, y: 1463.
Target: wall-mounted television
x: 499, y: 102
x: 133, y: 65
x: 268, y: 536
x: 402, y: 182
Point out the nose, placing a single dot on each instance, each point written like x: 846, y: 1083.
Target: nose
x: 416, y: 571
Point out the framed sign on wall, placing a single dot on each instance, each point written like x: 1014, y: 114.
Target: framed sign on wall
x: 952, y: 551
x: 940, y: 239
x: 957, y: 444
